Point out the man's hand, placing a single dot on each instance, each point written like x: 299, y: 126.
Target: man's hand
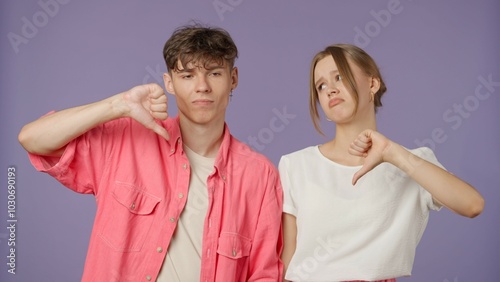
x: 50, y: 134
x: 145, y: 103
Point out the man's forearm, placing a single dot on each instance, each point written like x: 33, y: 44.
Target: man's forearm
x: 50, y: 134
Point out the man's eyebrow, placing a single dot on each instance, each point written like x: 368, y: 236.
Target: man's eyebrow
x: 208, y: 68
x: 184, y: 70
x: 214, y: 67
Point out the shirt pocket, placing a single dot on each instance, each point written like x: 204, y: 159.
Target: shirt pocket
x: 129, y: 216
x: 233, y: 251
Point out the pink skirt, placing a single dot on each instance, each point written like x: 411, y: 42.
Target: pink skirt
x: 386, y: 280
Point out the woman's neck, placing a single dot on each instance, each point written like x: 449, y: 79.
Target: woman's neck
x: 337, y: 149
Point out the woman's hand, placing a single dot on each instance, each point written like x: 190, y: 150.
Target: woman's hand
x: 372, y: 146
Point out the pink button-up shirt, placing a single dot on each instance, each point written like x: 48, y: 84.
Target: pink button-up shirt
x: 140, y: 181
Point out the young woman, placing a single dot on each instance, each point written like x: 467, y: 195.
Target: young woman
x: 356, y: 207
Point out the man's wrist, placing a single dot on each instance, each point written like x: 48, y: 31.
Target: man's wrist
x: 117, y: 107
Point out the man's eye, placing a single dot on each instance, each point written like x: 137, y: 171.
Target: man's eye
x: 216, y: 74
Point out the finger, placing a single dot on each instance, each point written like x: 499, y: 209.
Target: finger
x: 360, y: 146
x: 158, y: 107
x: 359, y: 150
x: 160, y: 115
x: 359, y: 174
x: 155, y: 90
x: 362, y: 141
x: 153, y: 86
x: 366, y: 135
x: 363, y: 137
x: 158, y: 129
x: 358, y: 153
x: 158, y: 97
x: 161, y: 131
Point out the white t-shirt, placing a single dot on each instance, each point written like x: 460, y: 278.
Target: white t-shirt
x: 364, y: 232
x: 183, y: 259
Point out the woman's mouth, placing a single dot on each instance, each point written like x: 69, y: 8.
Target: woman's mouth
x: 334, y: 102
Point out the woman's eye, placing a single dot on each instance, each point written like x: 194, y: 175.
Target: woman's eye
x: 338, y: 77
x: 321, y: 87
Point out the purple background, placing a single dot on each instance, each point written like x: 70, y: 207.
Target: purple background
x: 432, y: 55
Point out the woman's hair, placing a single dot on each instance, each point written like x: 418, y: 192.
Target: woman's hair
x: 198, y: 44
x: 340, y: 54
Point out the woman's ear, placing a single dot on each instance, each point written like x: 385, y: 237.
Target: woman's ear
x: 375, y: 84
x: 169, y: 86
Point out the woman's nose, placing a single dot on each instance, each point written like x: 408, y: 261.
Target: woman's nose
x: 332, y: 90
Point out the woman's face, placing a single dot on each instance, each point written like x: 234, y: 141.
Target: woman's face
x: 336, y: 101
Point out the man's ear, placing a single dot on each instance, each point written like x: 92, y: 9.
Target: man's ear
x: 234, y: 77
x: 169, y: 86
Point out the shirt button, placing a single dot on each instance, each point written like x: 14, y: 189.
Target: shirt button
x: 148, y: 278
x: 234, y: 252
x: 224, y: 177
x: 171, y: 150
x: 184, y: 166
x: 172, y: 219
x: 159, y: 249
x: 181, y: 195
x: 132, y: 206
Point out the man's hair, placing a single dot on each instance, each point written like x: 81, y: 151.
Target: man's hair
x: 199, y: 45
x: 340, y: 54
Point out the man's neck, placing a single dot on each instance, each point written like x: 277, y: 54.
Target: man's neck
x: 203, y: 139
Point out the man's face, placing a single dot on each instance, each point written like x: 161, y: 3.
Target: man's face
x: 202, y: 90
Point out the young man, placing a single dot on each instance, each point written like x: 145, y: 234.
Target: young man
x: 178, y: 199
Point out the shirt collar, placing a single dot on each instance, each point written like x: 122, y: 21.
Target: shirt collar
x: 223, y: 156
x: 175, y: 142
x: 174, y: 131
